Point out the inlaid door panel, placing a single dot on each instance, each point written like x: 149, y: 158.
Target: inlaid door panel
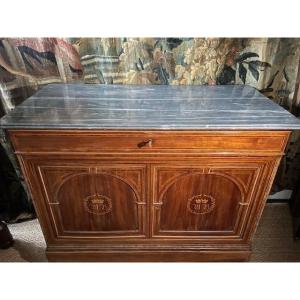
x: 95, y: 200
x: 202, y: 200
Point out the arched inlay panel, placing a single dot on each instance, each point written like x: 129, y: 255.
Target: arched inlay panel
x: 97, y: 202
x: 199, y: 201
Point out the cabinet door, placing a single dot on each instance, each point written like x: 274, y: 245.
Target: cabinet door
x: 205, y: 199
x: 93, y: 199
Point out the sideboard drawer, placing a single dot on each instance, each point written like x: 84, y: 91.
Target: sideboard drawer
x: 148, y: 141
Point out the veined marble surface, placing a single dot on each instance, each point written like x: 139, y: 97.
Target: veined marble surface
x: 83, y: 106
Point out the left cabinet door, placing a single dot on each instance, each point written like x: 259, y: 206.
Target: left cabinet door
x: 89, y: 198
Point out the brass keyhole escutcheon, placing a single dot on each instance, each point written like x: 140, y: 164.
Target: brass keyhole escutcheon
x: 144, y: 143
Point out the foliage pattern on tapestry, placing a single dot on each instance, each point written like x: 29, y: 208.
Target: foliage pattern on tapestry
x: 268, y: 64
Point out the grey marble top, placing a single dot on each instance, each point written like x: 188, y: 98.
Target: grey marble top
x: 83, y: 106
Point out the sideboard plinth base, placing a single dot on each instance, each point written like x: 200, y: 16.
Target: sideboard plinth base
x: 148, y: 256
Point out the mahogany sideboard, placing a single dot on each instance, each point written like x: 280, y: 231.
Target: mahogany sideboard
x: 148, y: 173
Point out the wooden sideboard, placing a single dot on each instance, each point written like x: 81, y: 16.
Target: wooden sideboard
x: 148, y: 195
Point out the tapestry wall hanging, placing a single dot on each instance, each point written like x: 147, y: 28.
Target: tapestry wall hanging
x: 268, y: 64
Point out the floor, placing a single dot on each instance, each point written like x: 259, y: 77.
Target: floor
x: 273, y: 241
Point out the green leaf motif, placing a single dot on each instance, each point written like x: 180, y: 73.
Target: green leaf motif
x: 261, y: 63
x: 246, y: 55
x: 242, y: 72
x: 253, y: 70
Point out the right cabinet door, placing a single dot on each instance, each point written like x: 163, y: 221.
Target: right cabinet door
x: 209, y: 198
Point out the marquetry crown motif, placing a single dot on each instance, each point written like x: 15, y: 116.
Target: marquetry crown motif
x: 98, y: 204
x: 201, y: 204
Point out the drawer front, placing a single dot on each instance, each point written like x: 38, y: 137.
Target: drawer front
x: 148, y: 141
